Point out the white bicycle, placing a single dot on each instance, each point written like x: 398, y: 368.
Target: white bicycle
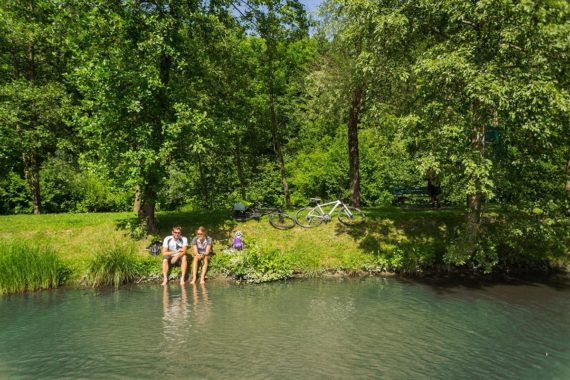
x: 312, y: 216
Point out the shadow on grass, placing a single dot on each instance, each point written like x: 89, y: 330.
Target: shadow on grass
x: 423, y: 230
x: 407, y: 240
x: 217, y: 222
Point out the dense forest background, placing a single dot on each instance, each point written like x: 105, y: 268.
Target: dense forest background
x: 149, y: 105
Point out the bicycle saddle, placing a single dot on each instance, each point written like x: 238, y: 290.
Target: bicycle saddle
x: 314, y: 200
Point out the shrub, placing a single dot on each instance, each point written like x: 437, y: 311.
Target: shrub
x: 24, y: 266
x: 66, y: 188
x: 15, y: 195
x: 114, y: 265
x: 253, y: 265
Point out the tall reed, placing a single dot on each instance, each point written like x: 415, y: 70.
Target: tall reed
x: 27, y: 266
x: 113, y: 265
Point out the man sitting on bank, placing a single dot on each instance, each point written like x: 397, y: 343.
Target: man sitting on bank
x: 173, y: 252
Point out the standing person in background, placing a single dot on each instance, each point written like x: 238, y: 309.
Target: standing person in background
x: 173, y: 252
x: 433, y: 187
x: 201, y: 248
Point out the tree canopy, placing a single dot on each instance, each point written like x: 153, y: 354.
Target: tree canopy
x: 146, y: 105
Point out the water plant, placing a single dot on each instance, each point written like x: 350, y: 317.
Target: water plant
x: 26, y: 266
x: 115, y: 264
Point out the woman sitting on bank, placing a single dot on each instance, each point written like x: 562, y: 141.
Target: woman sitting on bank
x: 201, y: 248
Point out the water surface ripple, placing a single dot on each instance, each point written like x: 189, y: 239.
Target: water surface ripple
x: 343, y: 328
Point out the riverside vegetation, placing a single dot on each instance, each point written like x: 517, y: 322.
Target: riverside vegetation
x: 113, y: 106
x: 121, y: 105
x: 45, y: 251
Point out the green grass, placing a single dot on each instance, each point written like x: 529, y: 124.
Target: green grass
x: 115, y: 265
x: 28, y: 267
x: 100, y: 249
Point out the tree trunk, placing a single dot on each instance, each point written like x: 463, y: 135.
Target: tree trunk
x: 30, y: 159
x: 241, y: 178
x: 137, y: 202
x: 568, y: 184
x: 568, y: 179
x: 474, y: 200
x: 275, y: 132
x: 32, y: 174
x: 146, y: 211
x: 353, y: 154
x: 145, y: 197
x: 203, y: 182
x: 279, y: 153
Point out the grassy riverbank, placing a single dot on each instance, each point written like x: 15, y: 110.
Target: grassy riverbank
x: 98, y: 249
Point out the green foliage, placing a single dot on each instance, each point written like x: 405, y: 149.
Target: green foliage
x: 97, y: 194
x: 115, y: 265
x: 253, y: 265
x: 265, y: 186
x: 59, y: 191
x: 133, y: 227
x: 408, y: 258
x: 193, y: 103
x: 176, y: 190
x: 27, y: 267
x: 319, y: 171
x: 532, y: 236
x: 14, y: 195
x: 529, y: 239
x: 66, y: 188
x: 149, y: 268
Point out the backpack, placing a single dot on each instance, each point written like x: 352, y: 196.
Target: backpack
x: 154, y: 248
x: 238, y: 243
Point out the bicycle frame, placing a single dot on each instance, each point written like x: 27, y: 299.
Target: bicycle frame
x: 258, y: 210
x: 336, y: 203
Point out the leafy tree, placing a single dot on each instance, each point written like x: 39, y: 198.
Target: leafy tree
x: 129, y: 53
x: 278, y: 23
x: 34, y: 103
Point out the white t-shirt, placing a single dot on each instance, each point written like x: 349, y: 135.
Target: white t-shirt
x: 173, y: 245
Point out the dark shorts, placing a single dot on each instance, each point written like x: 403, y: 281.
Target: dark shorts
x: 169, y: 259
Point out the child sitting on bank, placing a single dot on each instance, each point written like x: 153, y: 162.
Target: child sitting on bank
x: 237, y: 241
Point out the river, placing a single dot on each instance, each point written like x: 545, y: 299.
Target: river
x: 324, y: 328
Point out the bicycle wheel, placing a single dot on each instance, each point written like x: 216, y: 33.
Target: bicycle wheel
x: 308, y: 217
x: 281, y: 220
x: 351, y: 216
x: 238, y: 216
x: 242, y: 216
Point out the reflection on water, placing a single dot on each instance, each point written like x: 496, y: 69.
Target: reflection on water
x: 179, y: 317
x: 202, y: 306
x: 345, y: 328
x: 175, y: 321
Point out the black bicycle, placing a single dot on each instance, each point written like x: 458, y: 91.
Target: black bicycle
x: 277, y: 217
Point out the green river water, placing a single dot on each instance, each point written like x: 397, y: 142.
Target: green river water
x: 337, y: 328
